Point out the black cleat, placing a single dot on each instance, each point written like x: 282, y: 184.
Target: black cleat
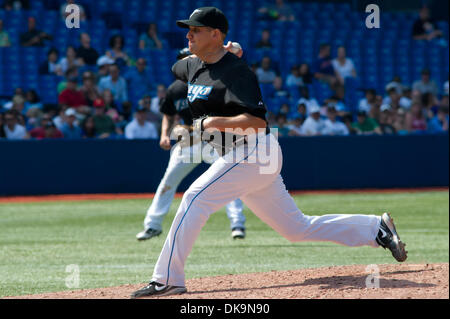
x: 388, y: 238
x: 156, y: 289
x: 148, y: 233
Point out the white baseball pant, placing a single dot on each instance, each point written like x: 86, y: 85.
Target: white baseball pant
x: 266, y: 195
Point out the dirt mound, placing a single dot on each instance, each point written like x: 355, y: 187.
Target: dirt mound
x: 394, y: 281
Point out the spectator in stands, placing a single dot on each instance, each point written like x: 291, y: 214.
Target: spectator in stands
x: 140, y: 128
x: 445, y: 88
x: 265, y: 73
x: 313, y: 125
x: 294, y: 80
x: 295, y: 128
x: 103, y: 64
x: 104, y: 125
x: 150, y: 39
x: 108, y: 98
x: 375, y: 111
x: 332, y: 125
x: 393, y: 99
x: 71, y: 72
x: 386, y: 120
x: 32, y: 101
x: 424, y: 27
x: 323, y: 67
x: 286, y: 110
x: 307, y: 100
x: 264, y: 43
x: 301, y: 112
x: 70, y: 60
x: 65, y: 13
x: 156, y: 100
x: 88, y: 129
x: 85, y: 52
x: 116, y: 43
x: 281, y: 124
x: 305, y: 73
x: 71, y: 96
x: 430, y: 105
x: 343, y: 66
x: 397, y: 84
x: 366, y: 125
x: 336, y: 101
x: 366, y: 103
x: 146, y: 103
x: 348, y: 121
x: 14, y: 130
x: 46, y: 130
x: 115, y: 83
x: 16, y: 5
x: 34, y: 36
x: 399, y: 122
x: 415, y: 120
x: 70, y: 128
x: 18, y: 103
x: 51, y: 66
x: 154, y: 115
x: 425, y: 85
x: 89, y: 88
x: 279, y: 90
x: 405, y: 99
x: 61, y: 117
x: 439, y: 122
x: 277, y: 11
x: 4, y: 37
x: 444, y: 101
x: 17, y: 92
x: 138, y: 78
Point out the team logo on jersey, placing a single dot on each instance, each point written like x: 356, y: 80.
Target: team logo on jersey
x: 196, y: 91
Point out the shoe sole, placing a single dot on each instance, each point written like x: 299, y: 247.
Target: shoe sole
x: 171, y: 291
x: 398, y: 248
x: 174, y: 291
x: 238, y: 236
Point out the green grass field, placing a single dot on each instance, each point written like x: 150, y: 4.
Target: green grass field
x: 39, y: 240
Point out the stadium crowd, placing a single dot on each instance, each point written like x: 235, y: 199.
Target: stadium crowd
x: 95, y: 103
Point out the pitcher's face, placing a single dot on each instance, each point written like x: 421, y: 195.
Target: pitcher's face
x: 200, y: 39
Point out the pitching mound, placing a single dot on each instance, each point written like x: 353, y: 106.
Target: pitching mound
x: 395, y: 281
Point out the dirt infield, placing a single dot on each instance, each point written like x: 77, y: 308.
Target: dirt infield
x: 396, y: 281
x: 81, y: 197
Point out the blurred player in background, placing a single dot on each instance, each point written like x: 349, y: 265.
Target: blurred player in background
x: 174, y: 104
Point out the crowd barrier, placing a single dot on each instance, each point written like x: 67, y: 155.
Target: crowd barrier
x: 136, y: 166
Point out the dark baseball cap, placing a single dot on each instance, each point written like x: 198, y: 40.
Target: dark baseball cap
x: 206, y: 17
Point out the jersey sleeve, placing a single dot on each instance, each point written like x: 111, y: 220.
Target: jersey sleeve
x: 244, y: 93
x: 181, y: 69
x: 167, y: 105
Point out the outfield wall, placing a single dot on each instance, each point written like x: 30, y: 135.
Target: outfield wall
x: 123, y: 166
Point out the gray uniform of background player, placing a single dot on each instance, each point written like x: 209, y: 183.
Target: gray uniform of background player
x: 178, y: 168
